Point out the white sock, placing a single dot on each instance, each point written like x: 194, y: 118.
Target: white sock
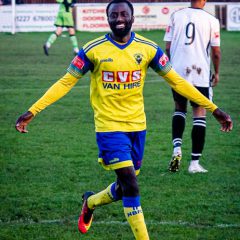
x: 177, y: 151
x: 194, y: 162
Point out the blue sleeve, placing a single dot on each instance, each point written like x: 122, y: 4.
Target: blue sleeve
x: 80, y: 65
x: 160, y: 63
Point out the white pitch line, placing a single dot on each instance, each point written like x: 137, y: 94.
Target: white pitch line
x: 42, y: 89
x: 149, y: 223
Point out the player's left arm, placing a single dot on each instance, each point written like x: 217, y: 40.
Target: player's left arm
x: 187, y: 90
x: 160, y: 63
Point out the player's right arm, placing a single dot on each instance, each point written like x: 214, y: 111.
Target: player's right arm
x: 215, y: 49
x: 216, y: 58
x: 78, y: 67
x: 54, y: 93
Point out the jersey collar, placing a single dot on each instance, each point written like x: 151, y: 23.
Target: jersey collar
x: 196, y: 8
x: 121, y: 46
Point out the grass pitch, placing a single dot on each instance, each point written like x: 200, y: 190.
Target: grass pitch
x: 44, y: 173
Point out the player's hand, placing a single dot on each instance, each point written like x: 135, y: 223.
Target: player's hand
x: 215, y: 79
x: 224, y: 119
x: 23, y: 121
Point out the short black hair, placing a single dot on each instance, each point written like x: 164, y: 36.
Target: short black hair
x: 120, y: 1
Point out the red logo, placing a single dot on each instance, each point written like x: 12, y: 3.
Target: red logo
x: 168, y: 29
x: 78, y: 62
x: 146, y: 10
x: 121, y: 76
x: 163, y: 60
x: 165, y: 10
x: 108, y: 76
x: 216, y: 35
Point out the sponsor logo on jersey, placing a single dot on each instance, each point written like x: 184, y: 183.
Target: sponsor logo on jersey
x: 114, y: 160
x: 138, y: 57
x: 106, y: 60
x: 121, y: 76
x: 163, y: 60
x: 121, y: 79
x: 78, y: 62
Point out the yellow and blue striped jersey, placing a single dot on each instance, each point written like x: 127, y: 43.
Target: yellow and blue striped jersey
x: 118, y: 72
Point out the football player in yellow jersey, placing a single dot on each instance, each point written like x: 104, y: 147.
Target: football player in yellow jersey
x: 118, y: 63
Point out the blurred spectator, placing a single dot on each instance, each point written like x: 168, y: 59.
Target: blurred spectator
x: 64, y: 19
x: 5, y: 2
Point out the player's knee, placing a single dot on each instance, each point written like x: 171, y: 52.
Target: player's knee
x: 71, y: 31
x: 130, y: 188
x: 118, y: 190
x: 180, y: 108
x: 58, y: 32
x: 128, y: 182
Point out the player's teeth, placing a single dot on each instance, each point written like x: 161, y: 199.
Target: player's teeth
x: 120, y: 26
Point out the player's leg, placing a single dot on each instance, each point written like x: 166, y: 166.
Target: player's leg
x: 198, y: 139
x: 178, y: 126
x: 109, y: 149
x: 69, y: 23
x: 126, y: 187
x: 131, y: 197
x: 131, y: 202
x: 91, y: 200
x: 111, y: 194
x: 73, y: 39
x: 198, y: 134
x: 53, y: 37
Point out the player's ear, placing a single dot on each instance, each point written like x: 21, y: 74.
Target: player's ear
x: 133, y: 18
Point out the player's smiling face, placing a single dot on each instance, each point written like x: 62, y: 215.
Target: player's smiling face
x: 120, y: 19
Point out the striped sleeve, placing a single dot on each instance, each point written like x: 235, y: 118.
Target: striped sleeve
x: 160, y: 63
x: 80, y: 65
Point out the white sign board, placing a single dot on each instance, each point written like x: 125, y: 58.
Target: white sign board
x: 89, y: 17
x: 29, y: 17
x: 147, y: 15
x: 233, y: 17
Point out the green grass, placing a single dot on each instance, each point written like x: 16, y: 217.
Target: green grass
x: 44, y: 173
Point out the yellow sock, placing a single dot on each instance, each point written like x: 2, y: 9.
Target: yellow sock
x: 101, y: 198
x: 135, y: 218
